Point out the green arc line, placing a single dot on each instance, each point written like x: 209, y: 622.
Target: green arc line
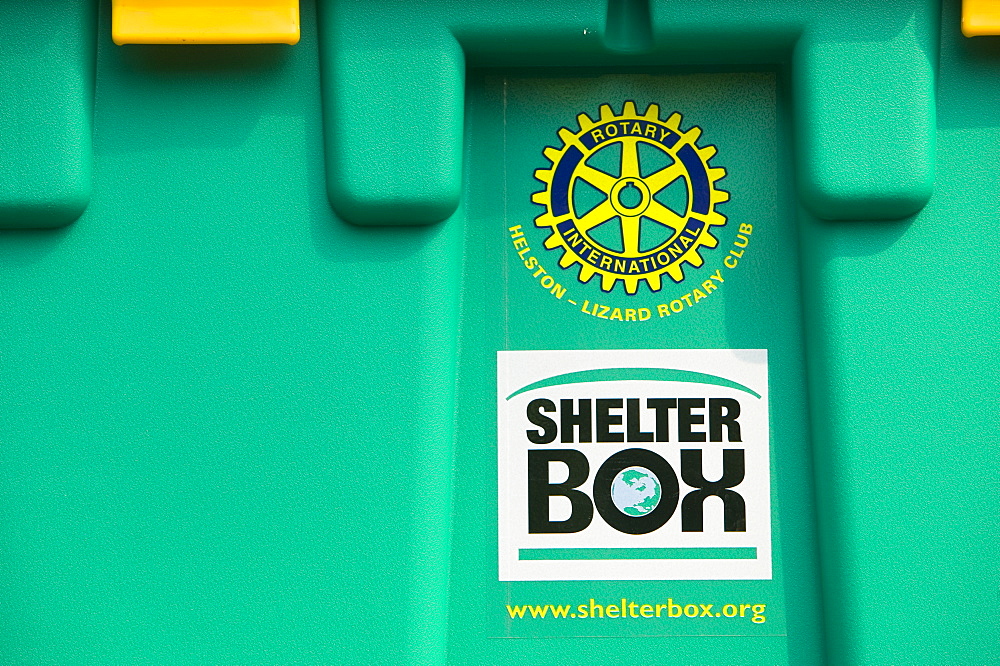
x: 633, y: 374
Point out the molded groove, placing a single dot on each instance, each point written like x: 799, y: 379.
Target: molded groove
x: 629, y: 27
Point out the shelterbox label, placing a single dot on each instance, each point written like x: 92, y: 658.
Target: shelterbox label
x: 634, y: 465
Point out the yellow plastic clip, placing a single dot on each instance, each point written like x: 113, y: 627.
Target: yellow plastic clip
x: 205, y: 21
x: 980, y: 17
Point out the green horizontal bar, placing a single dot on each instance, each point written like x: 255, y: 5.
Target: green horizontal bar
x: 637, y: 554
x: 633, y: 374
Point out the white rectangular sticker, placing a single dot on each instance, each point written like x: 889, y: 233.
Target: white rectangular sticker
x: 634, y: 465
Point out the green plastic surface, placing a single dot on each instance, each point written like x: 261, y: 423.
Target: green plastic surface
x: 863, y: 88
x: 241, y: 426
x: 47, y: 89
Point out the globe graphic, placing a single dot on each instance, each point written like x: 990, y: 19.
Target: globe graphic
x: 635, y: 491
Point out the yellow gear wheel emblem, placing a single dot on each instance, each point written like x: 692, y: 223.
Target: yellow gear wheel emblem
x: 627, y: 232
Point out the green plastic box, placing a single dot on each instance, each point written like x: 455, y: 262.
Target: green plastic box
x: 548, y: 333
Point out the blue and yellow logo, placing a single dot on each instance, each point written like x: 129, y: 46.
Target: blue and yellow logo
x: 630, y: 197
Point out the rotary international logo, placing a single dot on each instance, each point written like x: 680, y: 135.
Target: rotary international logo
x: 631, y: 198
x: 610, y: 199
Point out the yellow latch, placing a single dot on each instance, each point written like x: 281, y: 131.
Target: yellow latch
x: 980, y: 17
x: 205, y: 21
